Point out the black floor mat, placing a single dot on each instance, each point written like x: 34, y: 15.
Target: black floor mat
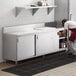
x: 37, y: 65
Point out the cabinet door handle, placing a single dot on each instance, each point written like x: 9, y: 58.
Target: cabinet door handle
x: 17, y: 40
x: 36, y: 37
x: 70, y: 16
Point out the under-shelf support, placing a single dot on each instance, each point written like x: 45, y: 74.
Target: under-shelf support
x: 34, y: 11
x: 49, y: 10
x: 17, y: 10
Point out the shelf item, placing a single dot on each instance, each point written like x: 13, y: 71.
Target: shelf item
x: 62, y: 37
x: 62, y: 42
x: 63, y: 49
x: 33, y: 8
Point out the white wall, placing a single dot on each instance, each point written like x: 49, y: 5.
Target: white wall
x: 72, y: 10
x: 62, y: 10
x: 7, y: 15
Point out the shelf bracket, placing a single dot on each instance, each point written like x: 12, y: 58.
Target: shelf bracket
x: 49, y: 10
x: 17, y: 11
x: 34, y: 11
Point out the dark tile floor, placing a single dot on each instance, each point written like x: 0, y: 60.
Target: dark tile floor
x: 40, y: 64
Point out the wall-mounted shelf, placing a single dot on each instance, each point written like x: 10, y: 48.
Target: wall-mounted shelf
x: 33, y: 8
